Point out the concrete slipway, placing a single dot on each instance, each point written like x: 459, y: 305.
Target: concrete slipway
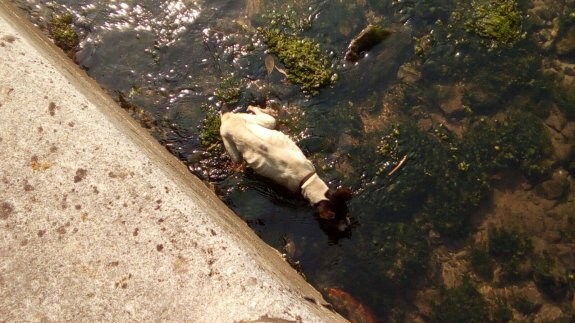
x: 99, y: 223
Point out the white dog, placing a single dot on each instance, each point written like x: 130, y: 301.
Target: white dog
x: 272, y: 154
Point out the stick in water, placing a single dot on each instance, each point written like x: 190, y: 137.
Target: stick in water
x: 401, y: 162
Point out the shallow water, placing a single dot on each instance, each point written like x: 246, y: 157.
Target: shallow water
x: 170, y: 57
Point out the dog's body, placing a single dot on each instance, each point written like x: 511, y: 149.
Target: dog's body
x: 274, y: 155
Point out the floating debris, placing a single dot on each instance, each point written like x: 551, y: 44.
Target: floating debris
x: 271, y: 65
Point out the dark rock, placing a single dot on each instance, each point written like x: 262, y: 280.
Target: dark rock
x: 366, y: 40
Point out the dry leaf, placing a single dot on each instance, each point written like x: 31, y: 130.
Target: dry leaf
x: 270, y: 63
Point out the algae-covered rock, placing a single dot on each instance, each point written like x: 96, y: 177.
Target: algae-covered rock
x: 366, y: 40
x: 63, y: 33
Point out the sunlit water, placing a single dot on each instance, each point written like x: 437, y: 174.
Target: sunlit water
x: 169, y: 58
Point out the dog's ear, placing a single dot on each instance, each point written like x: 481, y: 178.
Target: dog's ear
x: 340, y: 195
x: 325, y: 210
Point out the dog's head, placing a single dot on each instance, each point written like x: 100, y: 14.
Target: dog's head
x: 334, y: 207
x: 333, y: 214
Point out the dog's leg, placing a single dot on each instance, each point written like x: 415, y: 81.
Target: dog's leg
x: 262, y: 118
x: 231, y: 149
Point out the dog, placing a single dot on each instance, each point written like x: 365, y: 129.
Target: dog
x: 272, y: 154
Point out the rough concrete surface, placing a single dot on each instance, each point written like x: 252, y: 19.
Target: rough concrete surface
x: 99, y: 223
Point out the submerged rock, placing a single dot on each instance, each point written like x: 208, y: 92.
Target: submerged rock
x: 451, y: 100
x: 566, y: 45
x: 556, y: 187
x: 366, y: 40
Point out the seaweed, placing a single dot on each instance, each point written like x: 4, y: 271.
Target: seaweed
x: 518, y: 140
x: 405, y: 253
x: 461, y: 304
x: 439, y: 179
x: 481, y: 263
x: 547, y: 280
x: 510, y: 248
x: 504, y: 244
x: 501, y: 313
x: 523, y: 305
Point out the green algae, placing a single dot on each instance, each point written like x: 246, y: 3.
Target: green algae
x: 523, y: 305
x: 501, y: 313
x: 406, y: 253
x: 549, y: 279
x: 481, y: 263
x: 516, y: 140
x: 510, y: 248
x: 306, y: 64
x: 504, y: 244
x: 439, y: 179
x: 499, y: 20
x: 62, y: 31
x: 210, y: 128
x: 229, y: 90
